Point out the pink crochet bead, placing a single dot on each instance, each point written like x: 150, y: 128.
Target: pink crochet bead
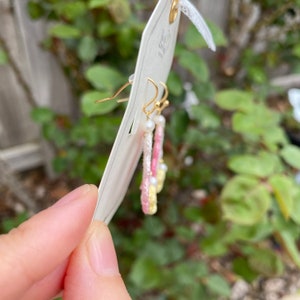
x: 147, y: 154
x: 158, y: 144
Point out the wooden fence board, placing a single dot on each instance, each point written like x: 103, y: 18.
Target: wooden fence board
x: 44, y: 77
x: 15, y: 124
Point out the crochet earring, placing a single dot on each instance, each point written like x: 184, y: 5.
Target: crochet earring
x: 154, y: 169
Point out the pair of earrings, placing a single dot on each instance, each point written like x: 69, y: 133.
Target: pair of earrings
x: 154, y: 168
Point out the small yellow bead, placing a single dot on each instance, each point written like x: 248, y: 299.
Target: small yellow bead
x: 161, y: 176
x: 152, y: 200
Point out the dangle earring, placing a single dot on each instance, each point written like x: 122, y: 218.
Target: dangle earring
x: 148, y: 195
x: 158, y: 167
x: 154, y: 169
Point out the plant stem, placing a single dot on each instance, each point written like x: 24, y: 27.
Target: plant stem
x: 18, y: 73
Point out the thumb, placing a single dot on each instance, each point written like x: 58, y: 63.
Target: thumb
x: 93, y: 271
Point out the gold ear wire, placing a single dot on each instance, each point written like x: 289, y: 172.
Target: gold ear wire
x: 160, y: 105
x: 164, y: 102
x: 149, y: 112
x: 116, y: 94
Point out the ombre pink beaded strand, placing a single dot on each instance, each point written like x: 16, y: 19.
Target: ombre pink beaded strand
x: 148, y: 203
x: 158, y: 167
x: 154, y: 170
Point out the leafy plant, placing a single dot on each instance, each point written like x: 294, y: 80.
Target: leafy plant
x: 87, y: 32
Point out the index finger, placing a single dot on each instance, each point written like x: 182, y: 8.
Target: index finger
x: 38, y: 246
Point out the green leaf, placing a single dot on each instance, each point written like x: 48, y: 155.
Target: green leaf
x: 178, y: 125
x: 165, y: 253
x: 35, y: 10
x: 64, y: 31
x: 55, y: 134
x: 275, y: 138
x: 91, y: 108
x: 213, y: 244
x: 205, y: 90
x: 85, y: 24
x: 187, y: 272
x: 98, y: 3
x: 3, y: 57
x: 104, y: 77
x: 70, y: 11
x: 254, y: 233
x: 175, y: 251
x: 289, y: 243
x: 185, y: 233
x: 60, y: 164
x: 291, y: 155
x: 233, y: 99
x: 283, y: 189
x: 8, y: 224
x: 87, y: 49
x: 193, y: 214
x: 296, y: 50
x: 262, y: 165
x: 257, y: 74
x: 218, y: 285
x: 156, y: 252
x: 106, y: 28
x: 146, y: 274
x: 241, y: 267
x: 218, y: 34
x: 266, y: 262
x: 88, y: 133
x: 193, y: 40
x: 42, y: 115
x: 257, y: 122
x: 205, y: 116
x: 109, y: 128
x: 154, y: 222
x: 194, y: 64
x: 244, y: 200
x: 126, y: 38
x: 174, y: 84
x: 295, y: 215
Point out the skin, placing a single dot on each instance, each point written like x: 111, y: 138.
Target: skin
x: 60, y: 250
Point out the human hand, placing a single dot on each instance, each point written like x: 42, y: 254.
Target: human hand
x: 58, y: 249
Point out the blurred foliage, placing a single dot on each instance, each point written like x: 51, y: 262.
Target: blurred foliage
x: 7, y: 224
x: 3, y: 57
x: 230, y: 197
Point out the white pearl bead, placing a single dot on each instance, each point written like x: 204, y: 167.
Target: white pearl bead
x: 149, y: 126
x: 160, y: 120
x: 163, y: 167
x: 153, y: 181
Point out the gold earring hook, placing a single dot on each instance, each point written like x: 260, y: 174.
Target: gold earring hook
x: 149, y: 112
x: 159, y: 105
x: 164, y: 102
x: 117, y: 93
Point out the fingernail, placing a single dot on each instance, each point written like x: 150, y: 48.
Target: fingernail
x: 102, y: 254
x: 75, y: 194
